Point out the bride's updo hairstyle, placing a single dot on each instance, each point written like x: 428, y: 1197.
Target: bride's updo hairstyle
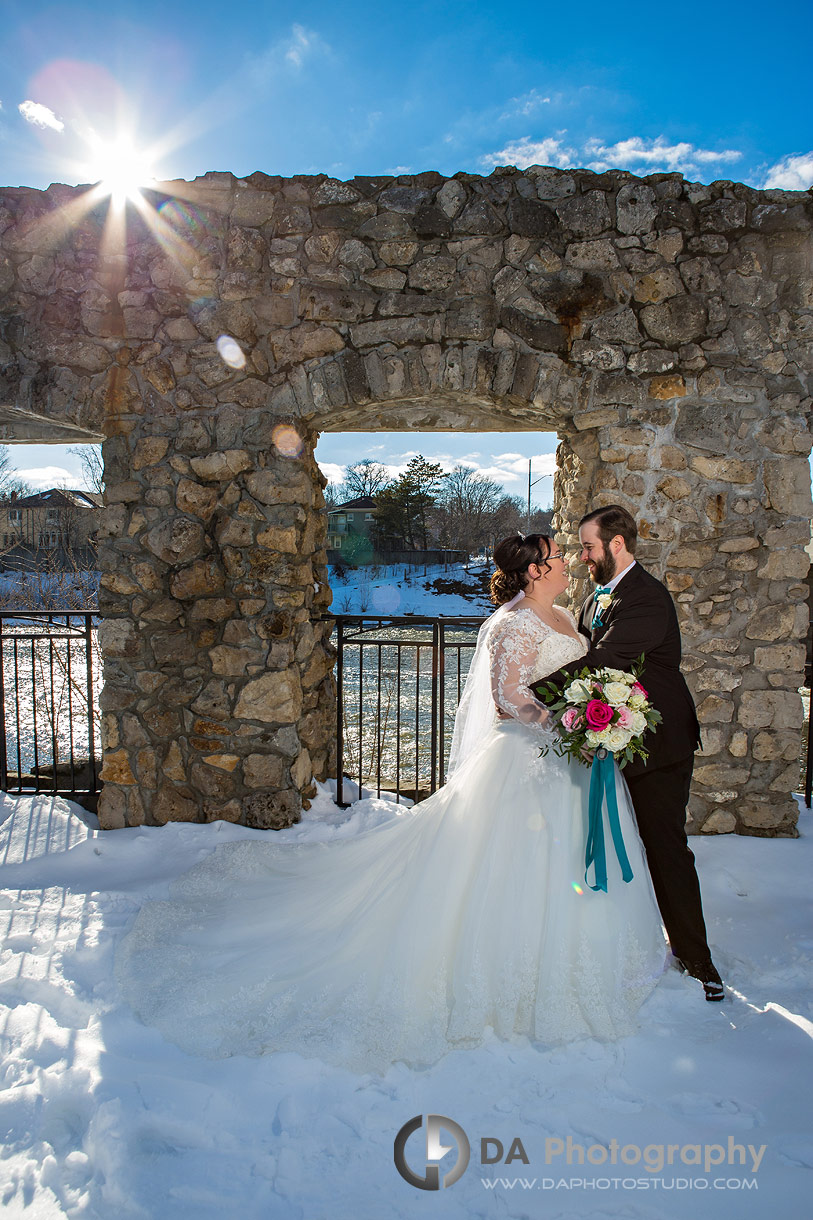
x: 513, y: 557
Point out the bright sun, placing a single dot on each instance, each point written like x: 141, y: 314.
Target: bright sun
x: 120, y: 169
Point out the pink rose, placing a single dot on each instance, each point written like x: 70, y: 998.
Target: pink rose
x: 636, y: 686
x: 571, y: 719
x: 598, y: 714
x: 624, y: 718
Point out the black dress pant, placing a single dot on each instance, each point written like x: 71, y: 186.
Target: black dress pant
x: 659, y: 798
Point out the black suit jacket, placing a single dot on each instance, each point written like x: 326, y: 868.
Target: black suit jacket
x: 641, y: 619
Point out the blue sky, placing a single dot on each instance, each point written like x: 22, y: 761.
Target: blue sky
x: 710, y: 91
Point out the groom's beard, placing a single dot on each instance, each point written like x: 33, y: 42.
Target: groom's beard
x: 604, y: 569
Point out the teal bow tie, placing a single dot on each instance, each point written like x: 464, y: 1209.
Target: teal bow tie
x: 597, y: 619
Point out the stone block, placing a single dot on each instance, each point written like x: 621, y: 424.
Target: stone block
x: 195, y: 499
x: 761, y: 709
x: 721, y: 822
x: 787, y: 484
x: 398, y: 331
x: 674, y: 487
x: 200, y: 578
x: 658, y: 285
x: 274, y: 698
x: 173, y: 804
x: 116, y: 768
x: 221, y: 467
x: 714, y: 710
x: 451, y: 197
x: 264, y: 771
x: 586, y: 214
x: 725, y: 470
x: 772, y: 623
x: 681, y: 319
x: 790, y: 657
x: 272, y: 810
x: 432, y: 274
x: 664, y: 388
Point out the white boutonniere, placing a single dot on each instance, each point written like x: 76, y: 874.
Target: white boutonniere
x: 603, y: 601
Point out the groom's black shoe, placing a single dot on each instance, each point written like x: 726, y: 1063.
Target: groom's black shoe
x: 705, y: 973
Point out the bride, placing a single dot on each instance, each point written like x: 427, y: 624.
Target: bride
x: 409, y: 939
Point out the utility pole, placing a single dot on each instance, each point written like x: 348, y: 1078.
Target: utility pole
x: 530, y: 485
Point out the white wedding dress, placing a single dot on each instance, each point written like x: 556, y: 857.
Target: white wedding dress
x: 409, y: 939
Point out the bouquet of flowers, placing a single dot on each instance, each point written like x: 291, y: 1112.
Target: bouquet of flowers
x: 602, y: 710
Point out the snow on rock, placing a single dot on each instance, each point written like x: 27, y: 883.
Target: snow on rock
x: 101, y: 1118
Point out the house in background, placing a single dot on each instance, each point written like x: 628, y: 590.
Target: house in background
x: 352, y: 539
x: 349, y: 531
x: 58, y: 526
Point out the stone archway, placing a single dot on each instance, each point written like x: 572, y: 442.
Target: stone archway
x: 661, y: 327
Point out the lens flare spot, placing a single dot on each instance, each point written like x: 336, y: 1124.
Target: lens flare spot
x: 287, y: 440
x: 231, y: 352
x: 576, y: 887
x: 179, y: 215
x: 536, y: 821
x: 386, y: 599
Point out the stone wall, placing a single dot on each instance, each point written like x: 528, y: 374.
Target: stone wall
x: 662, y: 328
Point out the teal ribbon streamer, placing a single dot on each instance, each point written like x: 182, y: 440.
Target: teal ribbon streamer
x: 597, y: 619
x: 602, y: 783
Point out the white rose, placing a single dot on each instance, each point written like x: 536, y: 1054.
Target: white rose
x: 617, y: 739
x: 616, y: 693
x: 638, y: 724
x: 594, y: 739
x: 616, y: 675
x: 636, y: 701
x: 578, y: 691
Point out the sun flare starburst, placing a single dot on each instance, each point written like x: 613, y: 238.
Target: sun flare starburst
x: 120, y: 168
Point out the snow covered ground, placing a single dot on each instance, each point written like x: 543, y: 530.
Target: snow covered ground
x: 101, y: 1118
x: 402, y: 589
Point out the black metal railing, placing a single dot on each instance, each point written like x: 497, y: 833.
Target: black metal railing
x: 398, y: 684
x: 49, y: 693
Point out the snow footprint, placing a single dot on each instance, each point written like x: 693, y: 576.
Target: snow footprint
x: 725, y: 1110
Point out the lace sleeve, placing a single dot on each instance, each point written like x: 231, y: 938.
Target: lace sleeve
x: 513, y: 654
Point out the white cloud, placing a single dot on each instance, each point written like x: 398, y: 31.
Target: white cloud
x: 525, y: 104
x: 793, y: 173
x: 40, y: 116
x: 525, y: 152
x: 46, y: 477
x: 635, y: 154
x: 300, y: 45
x: 291, y: 52
x: 333, y: 472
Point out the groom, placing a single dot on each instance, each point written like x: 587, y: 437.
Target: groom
x: 629, y: 614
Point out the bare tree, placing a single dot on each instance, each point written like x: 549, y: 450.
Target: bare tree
x: 468, y: 503
x: 90, y: 459
x: 365, y: 478
x: 10, y: 481
x: 333, y: 495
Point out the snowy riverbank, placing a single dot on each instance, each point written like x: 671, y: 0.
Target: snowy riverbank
x: 404, y: 589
